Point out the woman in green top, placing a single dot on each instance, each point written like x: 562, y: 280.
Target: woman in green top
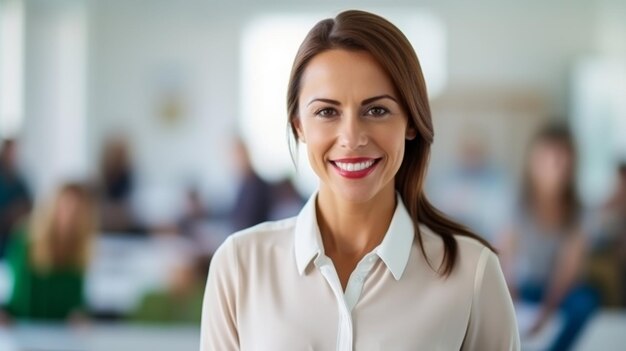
x: 48, y: 256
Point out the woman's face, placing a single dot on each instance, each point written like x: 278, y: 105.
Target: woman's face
x: 66, y: 212
x: 353, y: 123
x: 550, y: 167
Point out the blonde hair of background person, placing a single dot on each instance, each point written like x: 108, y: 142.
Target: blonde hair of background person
x: 72, y: 245
x: 346, y: 273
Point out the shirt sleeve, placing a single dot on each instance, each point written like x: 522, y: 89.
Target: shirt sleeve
x: 492, y: 324
x: 219, y: 314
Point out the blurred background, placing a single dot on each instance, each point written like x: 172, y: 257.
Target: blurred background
x: 138, y: 134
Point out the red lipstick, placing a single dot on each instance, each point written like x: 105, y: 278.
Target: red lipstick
x: 356, y: 167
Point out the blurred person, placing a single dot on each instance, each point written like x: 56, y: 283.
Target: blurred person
x: 544, y: 249
x: 368, y: 262
x: 286, y: 201
x: 117, y: 182
x: 48, y: 256
x: 197, y: 223
x: 474, y: 179
x: 252, y: 203
x: 181, y: 300
x: 195, y: 213
x: 617, y: 202
x: 617, y: 209
x: 15, y: 199
x: 608, y: 260
x: 202, y: 224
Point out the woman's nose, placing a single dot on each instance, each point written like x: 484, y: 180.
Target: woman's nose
x: 352, y: 133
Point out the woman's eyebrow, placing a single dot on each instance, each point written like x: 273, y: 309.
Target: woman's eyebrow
x: 372, y: 99
x: 364, y: 102
x: 332, y: 102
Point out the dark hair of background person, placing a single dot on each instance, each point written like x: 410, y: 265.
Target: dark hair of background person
x: 363, y: 31
x: 556, y: 134
x: 15, y: 195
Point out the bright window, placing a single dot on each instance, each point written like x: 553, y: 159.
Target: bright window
x: 11, y: 66
x: 599, y: 121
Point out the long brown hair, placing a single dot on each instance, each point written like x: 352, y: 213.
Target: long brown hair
x: 559, y: 135
x: 363, y: 31
x: 44, y: 242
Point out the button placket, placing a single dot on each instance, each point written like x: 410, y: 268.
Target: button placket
x: 356, y: 282
x: 344, y: 330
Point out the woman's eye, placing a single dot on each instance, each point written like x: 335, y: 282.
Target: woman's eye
x: 377, y: 111
x: 326, y: 112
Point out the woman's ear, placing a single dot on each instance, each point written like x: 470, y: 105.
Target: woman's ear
x: 411, y: 132
x: 298, y: 126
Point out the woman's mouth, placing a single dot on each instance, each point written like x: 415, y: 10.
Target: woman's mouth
x: 354, y: 168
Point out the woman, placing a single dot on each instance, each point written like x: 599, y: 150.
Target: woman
x: 544, y: 249
x: 48, y: 258
x: 368, y: 263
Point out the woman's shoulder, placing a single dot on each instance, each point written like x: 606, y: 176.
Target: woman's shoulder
x: 435, y: 241
x: 254, y: 248
x: 469, y: 250
x: 271, y: 234
x: 262, y: 232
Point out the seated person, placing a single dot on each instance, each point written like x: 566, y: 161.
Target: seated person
x: 181, y: 300
x: 48, y: 257
x: 545, y: 247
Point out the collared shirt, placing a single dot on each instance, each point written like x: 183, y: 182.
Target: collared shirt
x: 272, y: 287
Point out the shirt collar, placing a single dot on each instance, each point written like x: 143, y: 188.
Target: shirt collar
x: 394, y: 250
x: 308, y: 240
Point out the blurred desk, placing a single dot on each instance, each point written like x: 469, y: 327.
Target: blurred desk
x: 606, y: 332
x: 124, y: 268
x: 98, y: 337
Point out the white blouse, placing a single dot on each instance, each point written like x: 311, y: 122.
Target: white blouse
x: 271, y: 287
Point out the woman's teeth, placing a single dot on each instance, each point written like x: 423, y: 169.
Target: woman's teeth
x: 355, y: 167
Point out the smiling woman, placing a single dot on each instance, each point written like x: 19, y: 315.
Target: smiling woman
x: 349, y: 117
x: 368, y: 263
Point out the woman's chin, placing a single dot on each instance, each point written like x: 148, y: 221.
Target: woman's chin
x: 355, y: 193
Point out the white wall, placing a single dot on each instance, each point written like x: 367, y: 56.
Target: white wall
x: 134, y: 48
x: 599, y: 105
x: 11, y: 66
x: 54, y: 139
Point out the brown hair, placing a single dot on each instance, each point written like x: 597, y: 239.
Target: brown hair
x: 44, y: 253
x: 363, y: 31
x: 557, y: 134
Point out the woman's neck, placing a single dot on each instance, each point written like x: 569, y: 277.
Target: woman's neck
x: 352, y: 229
